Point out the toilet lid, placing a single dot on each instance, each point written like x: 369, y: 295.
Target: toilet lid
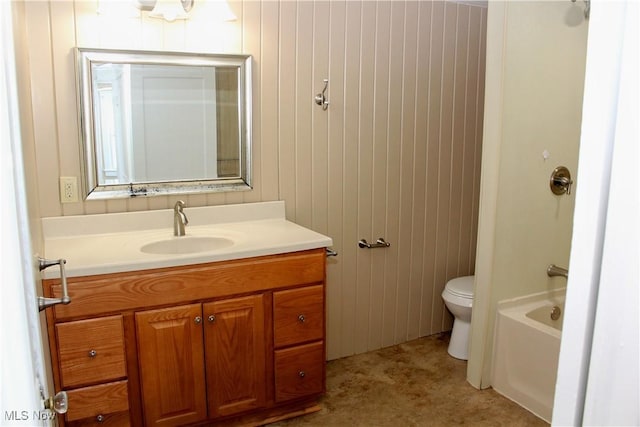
x: 461, y: 286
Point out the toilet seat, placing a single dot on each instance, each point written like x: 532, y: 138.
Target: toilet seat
x: 461, y: 287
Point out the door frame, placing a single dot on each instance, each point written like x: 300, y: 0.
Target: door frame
x: 23, y: 386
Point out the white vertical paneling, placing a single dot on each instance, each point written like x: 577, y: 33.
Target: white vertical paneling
x: 378, y: 210
x: 336, y: 269
x: 63, y: 35
x: 469, y: 138
x: 412, y: 317
x: 349, y: 254
x: 396, y: 310
x: 319, y: 131
x: 269, y: 100
x: 394, y: 123
x: 478, y: 137
x: 430, y: 296
x: 287, y: 106
x: 444, y: 157
x: 304, y: 106
x: 365, y: 170
x: 396, y: 155
x: 422, y: 240
x: 39, y: 40
x: 457, y: 141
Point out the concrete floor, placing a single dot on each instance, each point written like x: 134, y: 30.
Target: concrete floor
x: 411, y: 384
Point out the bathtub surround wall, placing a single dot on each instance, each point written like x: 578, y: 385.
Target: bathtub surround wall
x: 535, y: 79
x: 396, y: 155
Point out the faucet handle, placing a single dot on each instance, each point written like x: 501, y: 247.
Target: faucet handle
x: 179, y: 218
x: 560, y: 181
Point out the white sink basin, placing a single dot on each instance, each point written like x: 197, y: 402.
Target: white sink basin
x: 186, y: 245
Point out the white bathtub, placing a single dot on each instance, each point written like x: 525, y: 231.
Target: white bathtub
x: 526, y: 349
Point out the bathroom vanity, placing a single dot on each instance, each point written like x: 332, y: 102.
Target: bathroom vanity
x: 230, y: 335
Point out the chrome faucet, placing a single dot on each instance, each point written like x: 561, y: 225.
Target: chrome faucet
x: 179, y: 219
x: 553, y: 271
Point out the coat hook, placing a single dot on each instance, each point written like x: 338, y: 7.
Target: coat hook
x: 321, y: 98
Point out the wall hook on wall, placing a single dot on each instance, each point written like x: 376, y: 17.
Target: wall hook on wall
x: 321, y: 98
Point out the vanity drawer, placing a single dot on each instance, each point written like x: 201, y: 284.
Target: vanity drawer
x: 299, y: 371
x: 100, y: 405
x: 91, y: 351
x: 298, y: 315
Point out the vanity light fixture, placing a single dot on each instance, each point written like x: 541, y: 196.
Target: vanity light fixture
x: 170, y: 10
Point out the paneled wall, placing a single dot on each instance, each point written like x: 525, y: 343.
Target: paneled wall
x: 396, y: 155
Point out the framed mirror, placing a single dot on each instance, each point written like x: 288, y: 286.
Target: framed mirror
x: 158, y: 123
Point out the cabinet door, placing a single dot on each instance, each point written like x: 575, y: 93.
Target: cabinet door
x: 235, y: 355
x: 171, y: 359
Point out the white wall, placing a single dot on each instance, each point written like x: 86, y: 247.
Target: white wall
x: 535, y: 78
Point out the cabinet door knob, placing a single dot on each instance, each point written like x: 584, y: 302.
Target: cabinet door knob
x: 211, y: 318
x: 198, y: 320
x: 301, y: 374
x: 100, y: 418
x: 93, y: 353
x: 301, y: 318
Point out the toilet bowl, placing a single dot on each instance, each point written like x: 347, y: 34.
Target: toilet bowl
x: 458, y: 297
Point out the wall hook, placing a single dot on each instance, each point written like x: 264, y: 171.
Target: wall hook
x: 321, y: 98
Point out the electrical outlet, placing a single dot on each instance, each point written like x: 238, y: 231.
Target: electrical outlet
x: 68, y: 189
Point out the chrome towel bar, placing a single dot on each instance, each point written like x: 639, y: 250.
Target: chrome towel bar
x: 380, y: 243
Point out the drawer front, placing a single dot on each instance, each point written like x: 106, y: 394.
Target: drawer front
x: 106, y: 402
x: 299, y: 371
x: 118, y: 419
x: 298, y: 315
x: 91, y: 351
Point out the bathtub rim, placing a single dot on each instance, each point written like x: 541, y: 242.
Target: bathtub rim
x: 531, y: 298
x: 517, y: 308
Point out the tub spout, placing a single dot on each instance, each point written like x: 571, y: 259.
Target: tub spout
x: 553, y: 271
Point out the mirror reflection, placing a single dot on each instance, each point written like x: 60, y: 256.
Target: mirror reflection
x: 157, y: 123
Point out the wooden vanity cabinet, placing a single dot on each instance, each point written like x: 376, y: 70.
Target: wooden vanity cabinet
x: 228, y: 342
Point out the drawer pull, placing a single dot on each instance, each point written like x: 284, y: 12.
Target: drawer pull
x: 212, y: 318
x: 92, y: 353
x: 198, y: 320
x: 301, y: 318
x: 301, y: 374
x: 100, y: 418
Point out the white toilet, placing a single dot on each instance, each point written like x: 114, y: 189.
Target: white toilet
x: 458, y: 297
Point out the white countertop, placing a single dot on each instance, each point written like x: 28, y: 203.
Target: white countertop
x: 110, y: 243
